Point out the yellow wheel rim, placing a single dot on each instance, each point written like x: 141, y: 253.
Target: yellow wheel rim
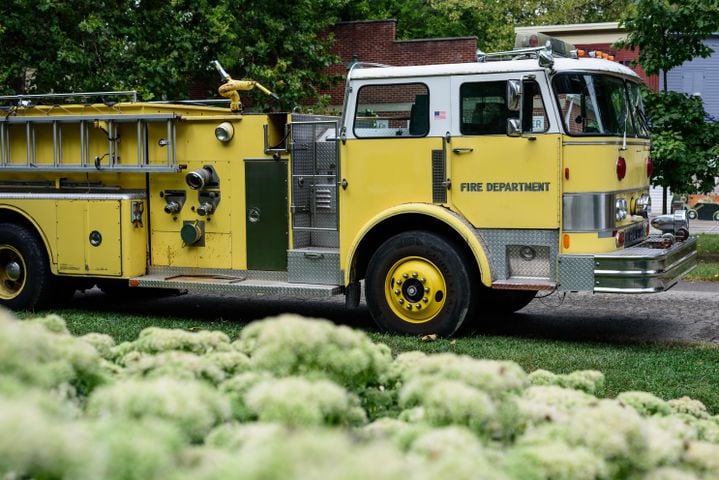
x: 415, y: 289
x: 12, y: 272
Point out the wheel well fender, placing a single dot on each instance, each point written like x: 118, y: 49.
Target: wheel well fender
x: 404, y: 218
x: 19, y: 217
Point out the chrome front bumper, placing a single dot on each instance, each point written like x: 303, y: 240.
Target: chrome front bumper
x: 644, y: 269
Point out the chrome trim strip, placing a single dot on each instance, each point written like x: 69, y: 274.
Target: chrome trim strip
x: 73, y: 196
x: 606, y: 142
x: 588, y: 212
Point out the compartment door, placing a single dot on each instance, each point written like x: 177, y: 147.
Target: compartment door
x: 266, y: 214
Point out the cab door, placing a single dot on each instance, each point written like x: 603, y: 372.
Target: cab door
x: 500, y: 181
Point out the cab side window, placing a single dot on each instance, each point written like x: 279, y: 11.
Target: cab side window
x: 399, y: 110
x: 483, y: 107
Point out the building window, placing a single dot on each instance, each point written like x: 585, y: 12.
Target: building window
x: 399, y: 110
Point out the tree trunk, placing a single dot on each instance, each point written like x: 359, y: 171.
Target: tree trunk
x: 664, y: 200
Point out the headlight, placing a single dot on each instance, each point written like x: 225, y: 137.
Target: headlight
x: 224, y: 132
x: 643, y: 206
x: 621, y: 209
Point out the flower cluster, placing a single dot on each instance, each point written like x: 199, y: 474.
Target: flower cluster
x: 296, y: 398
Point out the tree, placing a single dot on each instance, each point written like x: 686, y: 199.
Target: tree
x: 667, y: 34
x: 161, y: 48
x: 685, y: 142
x: 560, y: 12
x: 490, y: 21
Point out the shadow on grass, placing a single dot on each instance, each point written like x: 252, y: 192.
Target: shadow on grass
x: 609, y: 325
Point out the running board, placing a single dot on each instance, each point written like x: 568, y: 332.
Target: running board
x: 235, y: 284
x: 524, y: 284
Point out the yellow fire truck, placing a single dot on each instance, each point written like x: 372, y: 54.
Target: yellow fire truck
x: 453, y: 191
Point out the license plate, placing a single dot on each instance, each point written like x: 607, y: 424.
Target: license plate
x: 633, y: 235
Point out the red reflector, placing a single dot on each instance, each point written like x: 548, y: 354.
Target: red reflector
x: 566, y: 173
x: 650, y: 167
x: 620, y: 239
x: 621, y: 167
x: 134, y: 283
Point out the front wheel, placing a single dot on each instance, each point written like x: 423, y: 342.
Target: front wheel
x: 692, y: 214
x: 25, y: 277
x: 418, y: 283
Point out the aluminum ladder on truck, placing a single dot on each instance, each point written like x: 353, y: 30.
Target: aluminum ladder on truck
x: 17, y: 130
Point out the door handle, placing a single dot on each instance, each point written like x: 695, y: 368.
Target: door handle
x: 461, y: 150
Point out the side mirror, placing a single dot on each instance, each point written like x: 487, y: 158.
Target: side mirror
x: 514, y: 95
x: 514, y: 127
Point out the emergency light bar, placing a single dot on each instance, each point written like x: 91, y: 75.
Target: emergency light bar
x: 559, y: 47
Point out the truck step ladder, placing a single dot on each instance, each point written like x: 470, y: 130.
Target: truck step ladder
x: 108, y: 160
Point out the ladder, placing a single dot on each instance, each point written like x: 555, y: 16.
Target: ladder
x: 79, y: 125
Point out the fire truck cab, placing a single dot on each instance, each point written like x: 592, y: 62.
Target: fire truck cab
x: 453, y: 191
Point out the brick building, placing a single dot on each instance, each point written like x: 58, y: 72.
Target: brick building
x: 375, y: 41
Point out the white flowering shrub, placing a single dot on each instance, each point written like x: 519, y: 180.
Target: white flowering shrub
x: 297, y: 399
x: 32, y: 354
x: 290, y: 345
x: 194, y: 407
x: 590, y: 381
x: 156, y: 340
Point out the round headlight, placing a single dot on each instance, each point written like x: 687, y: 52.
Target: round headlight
x: 643, y: 205
x: 224, y: 132
x: 621, y: 209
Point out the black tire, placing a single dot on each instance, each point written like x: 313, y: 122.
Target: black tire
x: 26, y: 282
x: 692, y: 214
x: 419, y: 268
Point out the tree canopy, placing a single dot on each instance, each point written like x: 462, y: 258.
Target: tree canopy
x: 669, y: 33
x: 162, y: 48
x: 684, y: 142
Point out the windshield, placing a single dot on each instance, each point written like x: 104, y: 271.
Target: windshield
x: 599, y: 105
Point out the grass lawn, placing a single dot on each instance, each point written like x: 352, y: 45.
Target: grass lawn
x: 708, y: 253
x: 669, y: 371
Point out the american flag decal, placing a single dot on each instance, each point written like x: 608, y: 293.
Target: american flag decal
x: 440, y: 115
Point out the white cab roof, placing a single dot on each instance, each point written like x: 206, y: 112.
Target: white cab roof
x: 505, y: 66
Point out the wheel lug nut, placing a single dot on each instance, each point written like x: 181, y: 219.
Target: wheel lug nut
x: 426, y: 290
x: 422, y: 280
x: 401, y: 301
x: 418, y: 306
x: 405, y: 275
x: 399, y: 282
x: 396, y: 292
x: 425, y: 300
x: 414, y: 274
x: 409, y: 307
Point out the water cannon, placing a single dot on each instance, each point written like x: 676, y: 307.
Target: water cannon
x: 231, y: 88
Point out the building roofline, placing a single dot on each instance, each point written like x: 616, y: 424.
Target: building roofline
x: 355, y: 22
x: 572, y: 27
x: 437, y: 39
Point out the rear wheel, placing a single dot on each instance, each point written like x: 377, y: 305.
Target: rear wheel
x: 716, y: 216
x: 25, y: 277
x: 418, y: 283
x: 692, y: 214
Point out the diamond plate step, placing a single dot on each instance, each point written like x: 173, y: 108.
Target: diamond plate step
x: 235, y: 284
